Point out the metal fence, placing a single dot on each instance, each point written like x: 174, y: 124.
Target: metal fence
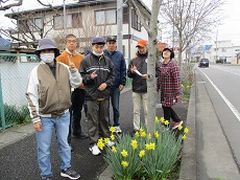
x: 14, y: 70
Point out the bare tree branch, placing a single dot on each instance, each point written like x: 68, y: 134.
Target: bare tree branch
x: 8, y: 6
x: 43, y: 4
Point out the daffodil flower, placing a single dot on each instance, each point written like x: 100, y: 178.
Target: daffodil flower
x: 137, y: 134
x: 156, y: 120
x: 134, y: 144
x: 124, y: 153
x: 180, y: 127
x: 184, y: 137
x: 162, y: 120
x: 156, y: 134
x: 124, y: 164
x: 150, y: 146
x: 114, y: 149
x: 100, y: 144
x: 112, y: 137
x: 106, y: 140
x: 143, y: 134
x: 112, y: 129
x: 186, y: 130
x: 141, y: 153
x: 166, y: 122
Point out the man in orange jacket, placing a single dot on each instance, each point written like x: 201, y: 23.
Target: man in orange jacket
x: 71, y: 57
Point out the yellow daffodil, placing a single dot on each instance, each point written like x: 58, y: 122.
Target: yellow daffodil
x: 112, y: 129
x: 184, y: 137
x: 106, y: 140
x: 186, y: 130
x: 162, y: 120
x: 124, y: 164
x: 112, y: 137
x: 134, y: 144
x: 156, y: 120
x: 137, y: 134
x: 180, y: 127
x: 141, y: 130
x: 156, y: 134
x: 143, y: 134
x: 150, y: 146
x: 141, y: 153
x: 100, y: 144
x: 124, y: 153
x: 166, y: 122
x: 114, y: 149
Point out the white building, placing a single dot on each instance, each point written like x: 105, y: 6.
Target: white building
x: 223, y: 51
x: 85, y: 19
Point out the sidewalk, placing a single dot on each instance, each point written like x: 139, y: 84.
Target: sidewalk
x: 206, y: 154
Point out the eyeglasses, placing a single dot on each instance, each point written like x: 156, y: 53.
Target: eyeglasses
x: 71, y: 41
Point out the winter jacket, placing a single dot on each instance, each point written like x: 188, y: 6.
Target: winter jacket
x: 139, y: 85
x: 50, y: 95
x: 105, y: 74
x: 119, y: 67
x: 168, y: 82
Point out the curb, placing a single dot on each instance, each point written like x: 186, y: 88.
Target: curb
x: 188, y: 168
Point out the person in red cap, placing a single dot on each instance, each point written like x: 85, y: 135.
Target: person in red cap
x: 137, y: 70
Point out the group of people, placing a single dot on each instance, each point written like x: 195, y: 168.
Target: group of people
x: 63, y: 84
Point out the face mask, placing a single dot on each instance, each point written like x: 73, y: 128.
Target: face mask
x: 97, y: 54
x: 47, y: 57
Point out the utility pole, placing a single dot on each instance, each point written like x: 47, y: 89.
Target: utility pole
x: 119, y: 24
x: 64, y: 15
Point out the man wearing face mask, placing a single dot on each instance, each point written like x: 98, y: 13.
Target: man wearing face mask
x: 98, y: 77
x: 49, y: 98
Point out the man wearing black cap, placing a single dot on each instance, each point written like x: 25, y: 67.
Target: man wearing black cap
x: 120, y: 78
x: 98, y: 78
x: 49, y: 98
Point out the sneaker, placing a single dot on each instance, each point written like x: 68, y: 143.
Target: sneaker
x: 118, y: 130
x: 110, y: 143
x: 95, y: 150
x: 46, y: 178
x: 70, y: 173
x: 176, y: 124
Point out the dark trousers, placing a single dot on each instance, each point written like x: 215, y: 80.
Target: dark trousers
x: 115, y: 95
x: 98, y: 113
x: 77, y: 98
x: 169, y: 114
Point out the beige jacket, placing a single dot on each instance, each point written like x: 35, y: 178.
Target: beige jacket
x: 48, y: 96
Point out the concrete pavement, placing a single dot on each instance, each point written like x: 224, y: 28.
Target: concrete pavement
x: 206, y: 153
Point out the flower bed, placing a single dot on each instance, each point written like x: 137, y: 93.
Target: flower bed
x: 145, y: 155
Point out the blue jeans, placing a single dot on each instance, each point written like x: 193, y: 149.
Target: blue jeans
x: 60, y: 124
x: 115, y: 95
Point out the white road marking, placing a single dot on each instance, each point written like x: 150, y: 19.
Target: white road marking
x: 229, y: 104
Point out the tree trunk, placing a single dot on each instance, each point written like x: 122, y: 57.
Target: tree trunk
x: 180, y: 49
x: 152, y: 59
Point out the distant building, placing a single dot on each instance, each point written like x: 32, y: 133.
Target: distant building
x: 85, y: 19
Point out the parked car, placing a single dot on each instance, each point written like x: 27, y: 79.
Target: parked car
x: 204, y: 62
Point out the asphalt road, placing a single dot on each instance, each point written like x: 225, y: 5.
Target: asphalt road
x: 18, y: 161
x: 223, y: 84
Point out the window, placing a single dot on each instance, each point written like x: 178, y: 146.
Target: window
x: 125, y: 16
x: 76, y: 20
x: 72, y: 21
x: 104, y: 17
x: 37, y: 24
x: 136, y: 24
x: 58, y: 22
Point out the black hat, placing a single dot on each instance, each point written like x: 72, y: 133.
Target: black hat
x: 111, y: 38
x: 47, y: 44
x: 98, y: 40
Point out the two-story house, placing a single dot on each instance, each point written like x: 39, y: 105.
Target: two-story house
x: 85, y: 19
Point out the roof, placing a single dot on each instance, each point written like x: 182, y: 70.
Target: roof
x: 4, y: 43
x: 15, y: 15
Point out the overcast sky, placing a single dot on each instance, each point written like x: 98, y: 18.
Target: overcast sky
x: 228, y: 30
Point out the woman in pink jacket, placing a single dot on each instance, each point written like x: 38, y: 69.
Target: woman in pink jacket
x: 168, y: 83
